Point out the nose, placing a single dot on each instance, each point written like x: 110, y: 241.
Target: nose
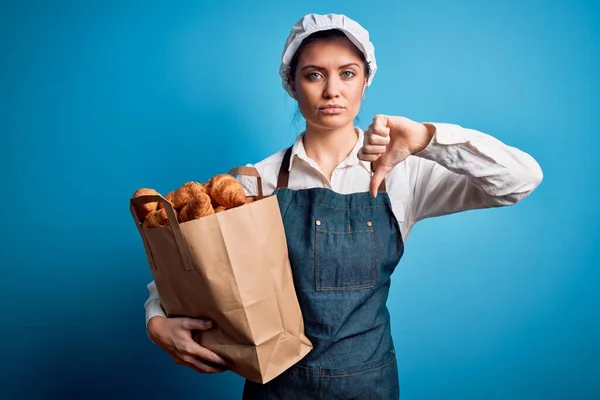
x: 332, y: 88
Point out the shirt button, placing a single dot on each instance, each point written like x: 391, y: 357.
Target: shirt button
x: 318, y: 222
x: 369, y: 223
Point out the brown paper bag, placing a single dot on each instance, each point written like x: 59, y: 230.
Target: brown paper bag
x: 232, y: 268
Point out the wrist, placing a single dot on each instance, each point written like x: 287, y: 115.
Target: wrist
x: 154, y: 326
x: 427, y: 134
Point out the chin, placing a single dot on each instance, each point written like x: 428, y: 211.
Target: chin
x: 331, y: 121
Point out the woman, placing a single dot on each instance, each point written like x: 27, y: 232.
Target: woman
x: 345, y: 189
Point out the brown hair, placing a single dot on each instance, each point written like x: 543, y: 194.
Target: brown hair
x: 330, y: 34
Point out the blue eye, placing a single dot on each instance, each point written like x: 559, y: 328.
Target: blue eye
x: 348, y: 74
x: 313, y: 75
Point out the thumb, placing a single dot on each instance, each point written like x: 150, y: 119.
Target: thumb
x: 196, y: 324
x: 380, y: 173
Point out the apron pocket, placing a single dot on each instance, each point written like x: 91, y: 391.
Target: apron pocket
x: 345, y: 259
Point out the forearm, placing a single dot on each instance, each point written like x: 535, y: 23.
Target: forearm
x: 468, y: 169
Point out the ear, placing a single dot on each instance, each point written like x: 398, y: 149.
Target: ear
x: 291, y: 83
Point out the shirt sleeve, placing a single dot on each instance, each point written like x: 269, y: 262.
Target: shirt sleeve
x: 152, y: 304
x: 463, y: 169
x: 249, y: 183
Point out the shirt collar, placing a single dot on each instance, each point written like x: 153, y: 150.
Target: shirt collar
x: 298, y: 151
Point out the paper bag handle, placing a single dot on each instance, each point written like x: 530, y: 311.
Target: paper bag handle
x: 249, y: 171
x: 174, y: 225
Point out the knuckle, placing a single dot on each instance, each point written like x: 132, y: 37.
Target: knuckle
x: 183, y: 323
x: 187, y: 349
x: 182, y: 348
x: 177, y: 346
x: 187, y: 358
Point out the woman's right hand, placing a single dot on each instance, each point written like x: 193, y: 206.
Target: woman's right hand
x: 174, y: 335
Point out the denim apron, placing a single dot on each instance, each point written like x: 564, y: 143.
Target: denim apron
x: 343, y: 249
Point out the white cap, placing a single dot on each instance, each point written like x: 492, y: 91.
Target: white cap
x: 312, y: 23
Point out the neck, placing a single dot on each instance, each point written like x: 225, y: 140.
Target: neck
x: 328, y: 147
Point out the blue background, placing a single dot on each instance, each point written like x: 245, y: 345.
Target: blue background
x: 100, y: 98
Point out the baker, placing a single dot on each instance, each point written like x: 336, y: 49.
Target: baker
x: 349, y: 199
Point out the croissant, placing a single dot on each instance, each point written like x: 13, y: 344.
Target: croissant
x: 226, y: 191
x: 169, y: 198
x: 219, y: 209
x: 208, y: 187
x: 194, y: 187
x: 157, y: 218
x: 143, y: 210
x: 186, y: 193
x: 198, y: 207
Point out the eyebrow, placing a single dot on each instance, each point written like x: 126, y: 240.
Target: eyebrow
x: 341, y: 67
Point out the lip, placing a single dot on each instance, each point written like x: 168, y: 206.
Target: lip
x: 330, y: 106
x: 331, y: 109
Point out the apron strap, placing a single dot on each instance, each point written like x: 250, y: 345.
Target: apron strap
x: 284, y: 172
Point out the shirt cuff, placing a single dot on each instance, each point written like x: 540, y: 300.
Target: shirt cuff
x: 154, y: 309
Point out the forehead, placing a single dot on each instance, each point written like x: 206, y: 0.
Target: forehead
x: 329, y: 52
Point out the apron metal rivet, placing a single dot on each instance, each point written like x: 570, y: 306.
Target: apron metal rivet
x: 318, y: 222
x: 369, y: 223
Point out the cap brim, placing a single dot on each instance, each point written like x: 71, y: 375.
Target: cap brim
x: 295, y: 44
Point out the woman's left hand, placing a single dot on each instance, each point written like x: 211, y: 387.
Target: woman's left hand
x: 389, y: 140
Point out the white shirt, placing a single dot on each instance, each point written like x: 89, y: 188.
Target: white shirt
x: 461, y: 169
